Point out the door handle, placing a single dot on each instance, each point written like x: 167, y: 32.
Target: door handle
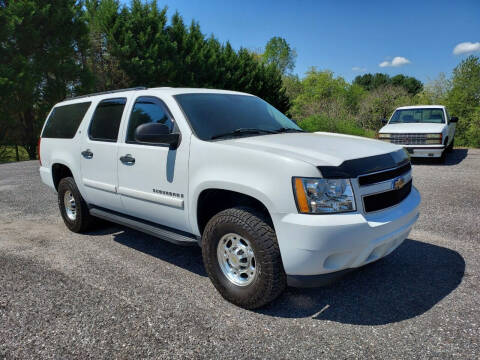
x: 127, y: 159
x: 87, y: 154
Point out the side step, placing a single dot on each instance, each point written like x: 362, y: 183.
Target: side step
x: 162, y: 232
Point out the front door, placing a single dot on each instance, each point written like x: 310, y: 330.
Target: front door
x: 153, y: 180
x: 99, y: 155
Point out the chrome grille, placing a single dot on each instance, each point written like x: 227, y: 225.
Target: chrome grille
x: 380, y: 190
x: 408, y: 139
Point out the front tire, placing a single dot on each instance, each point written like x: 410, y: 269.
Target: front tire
x: 73, y: 208
x: 450, y: 146
x: 242, y: 258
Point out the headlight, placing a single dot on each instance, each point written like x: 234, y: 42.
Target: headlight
x: 433, y: 139
x: 385, y: 137
x: 319, y: 196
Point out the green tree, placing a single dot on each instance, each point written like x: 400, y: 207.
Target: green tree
x: 435, y: 91
x: 379, y: 104
x: 370, y: 82
x: 152, y: 52
x: 412, y: 85
x: 293, y: 86
x: 322, y: 93
x: 279, y: 53
x: 42, y: 44
x: 105, y: 68
x: 463, y: 100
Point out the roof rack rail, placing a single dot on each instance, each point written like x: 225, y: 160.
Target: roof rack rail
x: 108, y: 92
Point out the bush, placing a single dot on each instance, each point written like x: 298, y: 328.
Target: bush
x: 342, y: 126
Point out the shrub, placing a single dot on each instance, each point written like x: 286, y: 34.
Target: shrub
x: 343, y: 126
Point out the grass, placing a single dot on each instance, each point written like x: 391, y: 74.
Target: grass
x: 7, y: 153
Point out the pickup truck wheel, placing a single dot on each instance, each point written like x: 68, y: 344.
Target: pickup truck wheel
x: 242, y: 258
x: 450, y: 146
x: 73, y: 208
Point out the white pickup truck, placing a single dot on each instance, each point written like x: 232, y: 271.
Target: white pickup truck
x: 269, y: 204
x: 424, y: 130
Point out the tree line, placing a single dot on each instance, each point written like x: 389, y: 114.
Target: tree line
x: 323, y: 102
x: 61, y: 48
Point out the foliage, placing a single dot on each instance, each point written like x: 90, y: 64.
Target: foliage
x: 39, y: 67
x: 379, y: 104
x: 279, y: 53
x: 342, y: 126
x: 322, y: 93
x: 435, y: 92
x: 104, y: 67
x: 292, y: 85
x: 8, y: 153
x: 463, y: 100
x: 52, y: 50
x: 371, y: 82
x: 152, y: 52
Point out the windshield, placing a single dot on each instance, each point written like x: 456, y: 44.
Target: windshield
x: 211, y: 115
x: 427, y: 115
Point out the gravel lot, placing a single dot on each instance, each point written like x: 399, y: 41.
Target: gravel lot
x: 117, y: 293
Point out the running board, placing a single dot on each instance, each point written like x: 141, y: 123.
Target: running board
x: 162, y: 232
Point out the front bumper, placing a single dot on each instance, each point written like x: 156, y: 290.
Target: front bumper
x: 425, y: 151
x: 324, y: 244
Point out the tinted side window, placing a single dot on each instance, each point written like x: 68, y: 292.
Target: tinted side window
x: 64, y: 120
x: 106, y: 120
x: 147, y: 110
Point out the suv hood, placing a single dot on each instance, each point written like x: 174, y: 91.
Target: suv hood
x: 318, y: 149
x: 412, y: 128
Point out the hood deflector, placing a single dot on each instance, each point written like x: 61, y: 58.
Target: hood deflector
x: 353, y: 168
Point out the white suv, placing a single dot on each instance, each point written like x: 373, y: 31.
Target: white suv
x: 269, y: 204
x: 424, y: 130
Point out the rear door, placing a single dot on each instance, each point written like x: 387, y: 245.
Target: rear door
x: 153, y: 180
x: 99, y: 154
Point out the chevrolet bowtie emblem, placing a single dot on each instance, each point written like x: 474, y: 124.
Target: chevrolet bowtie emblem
x: 398, y: 183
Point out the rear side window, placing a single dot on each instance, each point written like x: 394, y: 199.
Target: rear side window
x: 106, y: 120
x: 64, y: 120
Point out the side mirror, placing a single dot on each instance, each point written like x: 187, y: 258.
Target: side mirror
x: 384, y: 121
x: 454, y: 119
x: 156, y: 134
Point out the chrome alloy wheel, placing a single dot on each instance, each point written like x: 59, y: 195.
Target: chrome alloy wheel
x: 236, y: 259
x: 70, y: 205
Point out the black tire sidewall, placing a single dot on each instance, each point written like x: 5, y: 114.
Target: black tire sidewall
x: 249, y: 290
x: 270, y: 278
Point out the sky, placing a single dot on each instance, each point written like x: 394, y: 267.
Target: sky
x: 415, y: 38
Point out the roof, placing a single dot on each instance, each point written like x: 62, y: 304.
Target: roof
x: 169, y: 91
x: 421, y: 107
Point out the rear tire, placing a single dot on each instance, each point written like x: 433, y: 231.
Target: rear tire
x: 252, y: 283
x: 73, y: 208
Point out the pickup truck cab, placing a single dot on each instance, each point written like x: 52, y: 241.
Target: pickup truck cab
x: 424, y: 130
x: 269, y: 204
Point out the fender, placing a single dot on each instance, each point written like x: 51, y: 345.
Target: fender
x: 224, y: 185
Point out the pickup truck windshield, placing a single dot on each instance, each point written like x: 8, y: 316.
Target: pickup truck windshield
x: 214, y: 116
x: 426, y: 115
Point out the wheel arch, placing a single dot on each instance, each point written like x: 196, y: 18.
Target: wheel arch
x: 211, y: 200
x: 60, y: 171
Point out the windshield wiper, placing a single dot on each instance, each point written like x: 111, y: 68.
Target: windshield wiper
x: 285, y: 129
x: 241, y: 131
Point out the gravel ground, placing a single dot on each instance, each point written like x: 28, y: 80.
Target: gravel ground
x: 117, y: 293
